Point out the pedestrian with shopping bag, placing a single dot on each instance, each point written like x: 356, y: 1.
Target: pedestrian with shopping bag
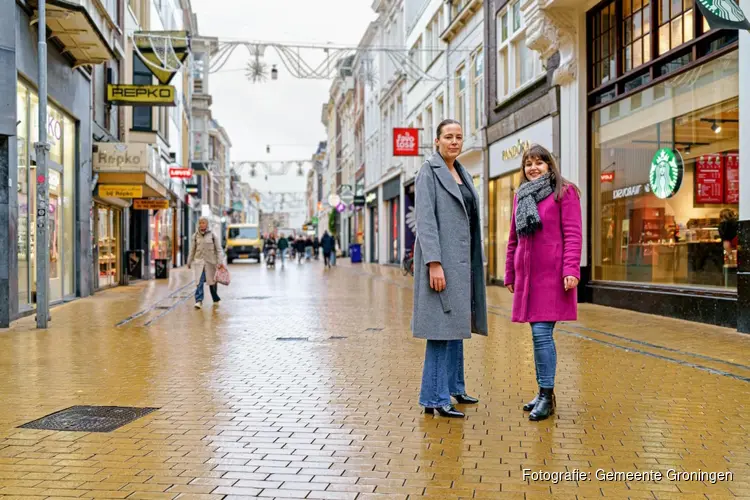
x: 449, y: 289
x: 542, y: 269
x: 208, y: 257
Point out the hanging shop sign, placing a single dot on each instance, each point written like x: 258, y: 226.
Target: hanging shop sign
x: 371, y: 197
x: 723, y: 14
x: 334, y: 200
x: 405, y: 142
x: 180, y: 173
x: 141, y: 95
x: 163, y: 52
x: 607, y: 177
x: 732, y: 166
x: 146, y: 204
x: 360, y: 201
x: 110, y: 156
x: 346, y: 193
x: 709, y: 180
x: 191, y: 188
x: 120, y: 191
x: 665, y: 175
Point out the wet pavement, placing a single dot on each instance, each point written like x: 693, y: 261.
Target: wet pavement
x: 304, y: 383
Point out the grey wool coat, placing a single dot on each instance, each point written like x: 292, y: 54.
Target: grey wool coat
x: 443, y: 235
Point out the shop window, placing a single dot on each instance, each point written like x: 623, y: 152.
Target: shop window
x: 501, y: 191
x: 676, y: 24
x: 678, y: 228
x: 636, y: 33
x: 477, y: 90
x: 517, y: 64
x: 142, y: 115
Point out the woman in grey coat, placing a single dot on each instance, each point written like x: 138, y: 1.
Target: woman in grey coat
x: 449, y: 292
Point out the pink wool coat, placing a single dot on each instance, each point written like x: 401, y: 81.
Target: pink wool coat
x: 536, y: 265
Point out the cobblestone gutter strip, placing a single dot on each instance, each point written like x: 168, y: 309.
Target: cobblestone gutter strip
x: 156, y: 305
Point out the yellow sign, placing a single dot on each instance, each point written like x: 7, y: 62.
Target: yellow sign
x: 163, y: 51
x: 145, y: 204
x: 120, y: 191
x: 516, y: 150
x: 149, y: 95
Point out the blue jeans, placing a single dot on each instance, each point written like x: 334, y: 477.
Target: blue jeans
x: 199, y: 290
x: 545, y: 354
x: 282, y: 253
x: 443, y: 374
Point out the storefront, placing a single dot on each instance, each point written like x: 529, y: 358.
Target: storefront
x: 392, y: 204
x: 61, y: 129
x: 162, y: 231
x: 665, y: 170
x: 359, y: 212
x: 107, y: 243
x: 371, y: 200
x: 505, y: 177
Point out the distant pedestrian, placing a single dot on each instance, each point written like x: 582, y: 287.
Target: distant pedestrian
x: 316, y: 246
x: 207, y: 255
x: 308, y: 248
x: 327, y: 244
x: 283, y: 245
x: 542, y: 269
x: 449, y: 291
x: 300, y: 245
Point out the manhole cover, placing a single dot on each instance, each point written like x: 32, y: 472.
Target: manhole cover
x: 88, y: 418
x: 292, y: 339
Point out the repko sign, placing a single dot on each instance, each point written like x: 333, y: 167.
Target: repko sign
x: 405, y: 142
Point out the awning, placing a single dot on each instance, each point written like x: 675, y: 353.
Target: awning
x: 150, y: 187
x: 73, y: 27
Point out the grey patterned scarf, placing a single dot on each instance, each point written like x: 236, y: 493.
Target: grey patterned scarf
x: 529, y: 195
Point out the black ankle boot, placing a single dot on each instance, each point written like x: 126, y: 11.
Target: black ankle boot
x: 545, y: 405
x: 531, y: 404
x: 214, y: 292
x: 465, y: 399
x: 445, y: 411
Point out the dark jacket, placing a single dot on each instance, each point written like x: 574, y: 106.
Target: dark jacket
x: 327, y: 243
x: 283, y: 243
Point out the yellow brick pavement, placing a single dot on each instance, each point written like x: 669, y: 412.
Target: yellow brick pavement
x: 243, y: 414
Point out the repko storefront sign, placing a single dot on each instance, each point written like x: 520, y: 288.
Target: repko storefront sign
x: 120, y: 156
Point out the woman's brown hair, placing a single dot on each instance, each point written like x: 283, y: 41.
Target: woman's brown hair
x: 560, y: 184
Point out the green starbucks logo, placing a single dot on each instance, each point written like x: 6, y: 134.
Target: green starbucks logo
x: 723, y: 14
x: 665, y: 177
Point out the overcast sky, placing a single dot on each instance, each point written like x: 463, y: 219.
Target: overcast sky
x: 284, y: 113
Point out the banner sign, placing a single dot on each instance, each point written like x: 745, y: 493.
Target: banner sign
x: 405, y: 142
x: 191, y: 188
x: 146, y: 204
x: 120, y: 191
x: 141, y: 95
x: 180, y: 173
x: 723, y: 14
x: 709, y: 179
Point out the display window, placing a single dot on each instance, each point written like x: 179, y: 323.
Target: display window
x: 501, y: 193
x: 61, y: 131
x: 393, y: 231
x: 666, y: 181
x: 108, y: 245
x: 162, y: 227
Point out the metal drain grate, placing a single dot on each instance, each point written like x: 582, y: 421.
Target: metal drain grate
x: 89, y: 418
x: 292, y: 339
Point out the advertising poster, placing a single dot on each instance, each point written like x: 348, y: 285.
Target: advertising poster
x: 709, y: 180
x: 732, y: 169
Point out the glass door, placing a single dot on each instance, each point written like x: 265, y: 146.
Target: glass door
x: 108, y: 230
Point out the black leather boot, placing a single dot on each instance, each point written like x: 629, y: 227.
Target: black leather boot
x: 531, y: 404
x: 465, y: 399
x: 214, y: 292
x: 545, y: 406
x: 445, y: 411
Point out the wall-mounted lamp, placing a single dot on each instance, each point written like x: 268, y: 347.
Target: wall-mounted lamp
x: 716, y: 127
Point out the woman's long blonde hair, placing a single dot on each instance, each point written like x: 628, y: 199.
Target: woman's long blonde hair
x: 560, y: 184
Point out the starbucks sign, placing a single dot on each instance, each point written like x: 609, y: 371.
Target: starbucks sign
x: 665, y: 176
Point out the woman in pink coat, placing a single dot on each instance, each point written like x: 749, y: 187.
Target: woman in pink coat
x: 542, y: 269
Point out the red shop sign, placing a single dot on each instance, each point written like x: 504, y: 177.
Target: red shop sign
x: 607, y: 177
x: 709, y: 179
x: 180, y: 173
x: 732, y: 172
x: 405, y: 142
